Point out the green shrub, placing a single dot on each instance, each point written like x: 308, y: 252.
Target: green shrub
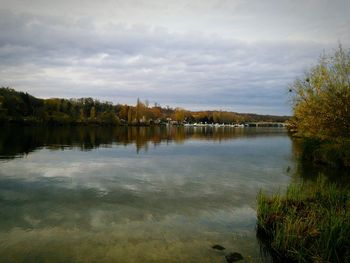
x: 335, y: 153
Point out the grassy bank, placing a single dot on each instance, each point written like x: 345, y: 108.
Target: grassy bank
x: 310, y: 223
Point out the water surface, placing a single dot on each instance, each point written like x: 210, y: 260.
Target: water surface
x: 136, y: 194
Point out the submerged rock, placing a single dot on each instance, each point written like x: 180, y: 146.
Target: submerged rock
x: 218, y: 247
x: 233, y: 257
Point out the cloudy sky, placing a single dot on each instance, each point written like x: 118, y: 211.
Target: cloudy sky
x: 199, y: 54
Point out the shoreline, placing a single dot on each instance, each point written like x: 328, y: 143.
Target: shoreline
x: 161, y: 124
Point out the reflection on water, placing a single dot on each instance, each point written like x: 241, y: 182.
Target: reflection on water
x: 109, y: 195
x: 308, y: 171
x: 23, y: 140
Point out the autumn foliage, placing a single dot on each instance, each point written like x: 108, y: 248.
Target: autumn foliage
x: 321, y: 98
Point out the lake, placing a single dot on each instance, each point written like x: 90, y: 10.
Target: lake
x: 161, y: 194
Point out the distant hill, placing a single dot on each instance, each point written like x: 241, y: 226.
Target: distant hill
x: 21, y: 107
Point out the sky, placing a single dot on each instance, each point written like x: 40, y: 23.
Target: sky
x: 198, y: 54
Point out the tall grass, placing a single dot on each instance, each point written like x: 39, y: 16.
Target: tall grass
x: 310, y: 223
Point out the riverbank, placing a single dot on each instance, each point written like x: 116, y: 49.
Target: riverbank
x: 331, y: 152
x: 311, y: 223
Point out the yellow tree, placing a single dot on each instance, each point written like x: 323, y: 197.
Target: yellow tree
x: 92, y: 113
x: 179, y: 114
x: 321, y: 99
x: 81, y: 114
x: 130, y: 115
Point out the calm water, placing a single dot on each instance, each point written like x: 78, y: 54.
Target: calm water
x: 137, y: 194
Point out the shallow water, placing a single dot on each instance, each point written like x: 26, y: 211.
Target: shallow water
x: 136, y: 194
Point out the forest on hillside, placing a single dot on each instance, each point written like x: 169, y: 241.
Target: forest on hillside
x: 21, y: 107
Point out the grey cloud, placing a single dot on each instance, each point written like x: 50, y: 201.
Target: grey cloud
x: 74, y: 57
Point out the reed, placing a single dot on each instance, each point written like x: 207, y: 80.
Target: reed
x: 310, y: 223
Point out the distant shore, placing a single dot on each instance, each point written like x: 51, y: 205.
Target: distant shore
x: 23, y: 108
x: 33, y: 122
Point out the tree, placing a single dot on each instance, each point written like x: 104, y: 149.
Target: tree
x: 217, y: 117
x: 81, y: 114
x: 179, y: 114
x: 321, y: 99
x: 109, y: 117
x: 92, y: 113
x: 123, y: 112
x: 138, y: 109
x: 129, y: 115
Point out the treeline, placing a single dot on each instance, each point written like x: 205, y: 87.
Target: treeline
x: 21, y: 107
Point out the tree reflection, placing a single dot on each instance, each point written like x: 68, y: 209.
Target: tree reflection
x: 18, y: 140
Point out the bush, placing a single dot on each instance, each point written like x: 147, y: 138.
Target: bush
x: 332, y: 152
x: 321, y: 99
